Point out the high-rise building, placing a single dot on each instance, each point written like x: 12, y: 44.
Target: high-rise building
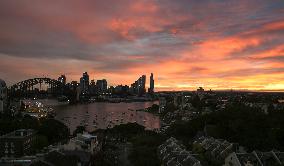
x: 3, y: 95
x: 138, y: 87
x: 133, y: 87
x: 102, y: 86
x: 62, y: 79
x: 84, y: 82
x: 152, y: 85
x: 141, y: 84
x: 93, y: 87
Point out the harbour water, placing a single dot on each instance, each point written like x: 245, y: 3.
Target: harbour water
x: 102, y: 115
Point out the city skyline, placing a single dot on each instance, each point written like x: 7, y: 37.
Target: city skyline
x: 186, y: 44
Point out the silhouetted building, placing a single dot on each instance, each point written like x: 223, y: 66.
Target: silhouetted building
x: 3, y: 96
x: 17, y: 143
x: 134, y: 88
x: 152, y: 86
x: 93, y: 87
x: 111, y: 89
x: 62, y: 79
x: 102, y: 86
x: 84, y: 82
x: 73, y: 85
x: 138, y: 87
x: 120, y: 89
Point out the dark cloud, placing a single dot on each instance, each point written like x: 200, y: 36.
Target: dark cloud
x: 109, y: 36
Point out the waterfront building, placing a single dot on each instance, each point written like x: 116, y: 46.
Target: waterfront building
x: 138, y: 87
x: 141, y: 85
x: 134, y: 88
x: 93, y: 87
x: 73, y: 85
x: 17, y: 143
x: 120, y: 89
x: 102, y: 86
x: 84, y: 82
x: 152, y: 82
x: 3, y: 96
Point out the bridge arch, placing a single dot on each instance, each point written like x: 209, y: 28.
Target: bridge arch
x: 25, y: 87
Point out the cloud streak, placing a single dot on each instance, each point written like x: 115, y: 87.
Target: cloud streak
x: 186, y: 43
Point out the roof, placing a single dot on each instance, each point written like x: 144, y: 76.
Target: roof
x: 267, y: 158
x: 21, y: 133
x: 246, y: 158
x: 172, y: 152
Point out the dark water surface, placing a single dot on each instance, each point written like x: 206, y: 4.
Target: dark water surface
x: 101, y: 115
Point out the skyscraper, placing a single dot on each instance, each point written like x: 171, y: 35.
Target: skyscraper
x: 141, y: 85
x: 84, y: 82
x: 101, y: 86
x: 138, y: 87
x: 152, y: 85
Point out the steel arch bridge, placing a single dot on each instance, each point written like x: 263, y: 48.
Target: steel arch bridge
x: 27, y: 86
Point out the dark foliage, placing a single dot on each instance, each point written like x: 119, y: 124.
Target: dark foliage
x: 237, y: 123
x: 54, y: 130
x: 144, y: 151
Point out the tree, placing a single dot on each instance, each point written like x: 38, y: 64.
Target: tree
x: 54, y: 130
x: 79, y: 129
x: 39, y: 143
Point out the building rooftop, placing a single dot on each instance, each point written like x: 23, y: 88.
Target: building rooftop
x: 21, y: 133
x: 248, y: 158
x: 172, y: 152
x: 268, y: 158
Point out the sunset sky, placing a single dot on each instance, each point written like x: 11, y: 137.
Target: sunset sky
x: 216, y: 44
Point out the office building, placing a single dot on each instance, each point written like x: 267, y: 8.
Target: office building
x: 84, y: 82
x: 102, y: 86
x: 151, y: 88
x: 17, y: 143
x: 138, y: 87
x: 93, y: 87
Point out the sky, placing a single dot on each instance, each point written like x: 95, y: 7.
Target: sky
x: 217, y: 44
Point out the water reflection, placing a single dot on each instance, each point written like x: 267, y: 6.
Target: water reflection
x: 103, y: 115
